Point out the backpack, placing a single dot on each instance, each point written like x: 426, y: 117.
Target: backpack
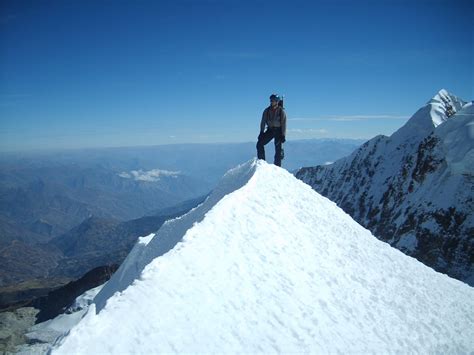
x: 280, y: 103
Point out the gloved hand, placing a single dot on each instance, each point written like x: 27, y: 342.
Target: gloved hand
x: 283, y: 139
x: 260, y: 135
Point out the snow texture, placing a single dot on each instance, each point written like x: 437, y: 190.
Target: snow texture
x: 266, y: 264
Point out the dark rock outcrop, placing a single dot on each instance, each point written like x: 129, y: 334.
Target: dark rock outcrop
x: 57, y: 301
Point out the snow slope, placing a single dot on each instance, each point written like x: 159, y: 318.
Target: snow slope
x: 266, y: 264
x: 414, y: 189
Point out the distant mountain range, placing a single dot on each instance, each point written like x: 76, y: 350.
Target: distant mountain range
x: 50, y: 199
x: 99, y: 241
x: 95, y: 242
x: 207, y: 162
x: 414, y: 189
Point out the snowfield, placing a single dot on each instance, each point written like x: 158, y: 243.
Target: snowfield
x: 266, y: 264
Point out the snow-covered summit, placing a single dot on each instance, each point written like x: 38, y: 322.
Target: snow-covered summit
x: 436, y: 111
x: 443, y: 106
x: 266, y: 264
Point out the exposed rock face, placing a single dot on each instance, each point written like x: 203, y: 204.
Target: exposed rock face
x: 16, y: 324
x: 13, y: 326
x: 57, y: 301
x: 414, y: 189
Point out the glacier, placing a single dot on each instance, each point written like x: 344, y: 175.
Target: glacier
x: 266, y: 264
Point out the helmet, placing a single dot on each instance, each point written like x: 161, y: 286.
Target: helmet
x: 274, y: 97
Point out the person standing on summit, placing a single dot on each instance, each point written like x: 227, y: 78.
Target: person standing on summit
x: 274, y: 117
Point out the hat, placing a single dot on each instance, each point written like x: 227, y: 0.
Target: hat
x: 274, y: 97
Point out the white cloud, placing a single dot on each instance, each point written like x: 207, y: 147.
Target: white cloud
x: 149, y: 176
x: 125, y: 175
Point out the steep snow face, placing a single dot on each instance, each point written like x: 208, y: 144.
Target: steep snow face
x: 170, y: 233
x: 414, y: 189
x: 458, y: 141
x: 272, y: 266
x: 444, y: 105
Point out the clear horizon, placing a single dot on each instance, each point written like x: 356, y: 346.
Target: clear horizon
x: 47, y: 150
x: 92, y: 74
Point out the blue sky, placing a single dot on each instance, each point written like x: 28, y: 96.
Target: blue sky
x: 122, y: 73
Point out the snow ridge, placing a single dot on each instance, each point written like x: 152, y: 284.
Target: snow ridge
x: 266, y: 264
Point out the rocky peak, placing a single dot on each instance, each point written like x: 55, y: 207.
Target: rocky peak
x: 437, y: 110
